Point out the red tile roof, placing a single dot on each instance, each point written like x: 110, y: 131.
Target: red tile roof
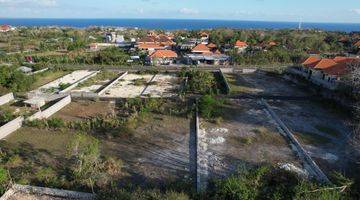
x: 211, y: 45
x: 325, y: 63
x: 201, y: 48
x: 337, y: 70
x: 311, y: 61
x: 5, y: 27
x: 150, y: 46
x: 340, y: 59
x: 164, y: 54
x: 240, y: 44
x: 357, y: 44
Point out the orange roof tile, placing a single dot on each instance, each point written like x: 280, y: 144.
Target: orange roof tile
x: 325, y: 63
x: 211, y: 45
x: 340, y: 59
x: 217, y: 52
x: 337, y: 70
x: 240, y: 44
x: 311, y: 61
x: 150, y: 46
x: 357, y: 44
x: 200, y: 48
x: 164, y: 54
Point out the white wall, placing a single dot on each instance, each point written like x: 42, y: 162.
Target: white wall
x: 51, y: 110
x: 6, y: 98
x: 10, y: 127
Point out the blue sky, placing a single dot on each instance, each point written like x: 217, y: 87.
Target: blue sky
x: 264, y: 10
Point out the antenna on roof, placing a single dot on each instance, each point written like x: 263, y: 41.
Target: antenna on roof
x: 300, y: 24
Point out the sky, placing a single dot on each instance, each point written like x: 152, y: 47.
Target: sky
x: 258, y: 10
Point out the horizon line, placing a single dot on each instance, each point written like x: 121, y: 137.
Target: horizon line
x: 199, y: 19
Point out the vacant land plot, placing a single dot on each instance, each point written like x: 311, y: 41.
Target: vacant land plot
x: 155, y: 151
x: 97, y: 82
x: 262, y: 83
x: 245, y: 137
x: 135, y: 85
x: 322, y: 133
x: 47, y: 77
x: 163, y: 85
x: 79, y: 110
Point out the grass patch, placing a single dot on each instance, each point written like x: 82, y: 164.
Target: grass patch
x: 235, y: 86
x: 139, y: 82
x: 47, y: 77
x: 312, y: 138
x: 328, y: 130
x: 101, y: 76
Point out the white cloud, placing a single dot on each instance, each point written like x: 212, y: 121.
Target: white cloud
x: 188, y: 11
x: 356, y: 10
x: 28, y: 3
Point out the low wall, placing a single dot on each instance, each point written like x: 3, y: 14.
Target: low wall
x: 52, y: 109
x: 6, y: 98
x: 78, y: 82
x: 316, y: 171
x: 50, y: 192
x: 227, y: 86
x: 39, y: 71
x: 112, y: 83
x: 199, y: 185
x: 84, y: 95
x: 10, y: 127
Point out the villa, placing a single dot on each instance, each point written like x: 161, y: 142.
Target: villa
x: 162, y: 57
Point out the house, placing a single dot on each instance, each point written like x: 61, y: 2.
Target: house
x: 162, y: 57
x: 357, y: 44
x: 200, y: 49
x: 150, y: 47
x: 240, y: 46
x: 153, y: 39
x: 204, y: 37
x: 5, y: 28
x: 325, y: 72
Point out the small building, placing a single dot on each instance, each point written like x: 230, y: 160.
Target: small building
x: 5, y: 28
x: 163, y: 57
x: 201, y: 49
x: 240, y: 46
x: 206, y: 59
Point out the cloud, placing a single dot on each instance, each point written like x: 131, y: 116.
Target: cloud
x: 356, y: 10
x: 27, y: 3
x: 188, y: 11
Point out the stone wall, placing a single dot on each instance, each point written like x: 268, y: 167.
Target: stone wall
x: 52, y: 109
x: 10, y: 127
x: 6, y: 98
x: 304, y: 156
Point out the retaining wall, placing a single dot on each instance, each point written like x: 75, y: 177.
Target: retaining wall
x: 78, y: 82
x: 52, y: 109
x: 6, y: 98
x: 199, y: 186
x: 42, y: 191
x: 10, y: 127
x: 317, y: 172
x: 227, y: 86
x: 112, y: 83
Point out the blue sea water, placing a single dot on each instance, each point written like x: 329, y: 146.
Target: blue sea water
x: 173, y: 24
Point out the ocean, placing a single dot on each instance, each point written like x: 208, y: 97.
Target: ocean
x: 173, y: 24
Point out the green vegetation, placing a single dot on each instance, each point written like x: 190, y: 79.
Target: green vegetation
x: 199, y: 82
x: 236, y: 87
x: 312, y: 138
x: 101, y: 76
x: 209, y: 107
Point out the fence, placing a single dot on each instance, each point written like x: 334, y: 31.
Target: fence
x: 112, y: 83
x: 6, y: 98
x: 317, y: 172
x: 52, y: 109
x: 10, y: 127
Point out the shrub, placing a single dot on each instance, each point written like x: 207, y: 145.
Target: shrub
x: 4, y: 180
x: 209, y: 107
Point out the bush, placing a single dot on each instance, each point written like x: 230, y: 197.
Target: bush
x: 4, y: 180
x: 209, y: 107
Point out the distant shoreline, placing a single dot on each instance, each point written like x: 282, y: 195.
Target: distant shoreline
x: 177, y: 24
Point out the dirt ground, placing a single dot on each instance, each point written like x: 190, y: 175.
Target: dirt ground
x: 156, y: 153
x: 245, y: 137
x: 322, y: 132
x: 78, y: 110
x: 262, y: 83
